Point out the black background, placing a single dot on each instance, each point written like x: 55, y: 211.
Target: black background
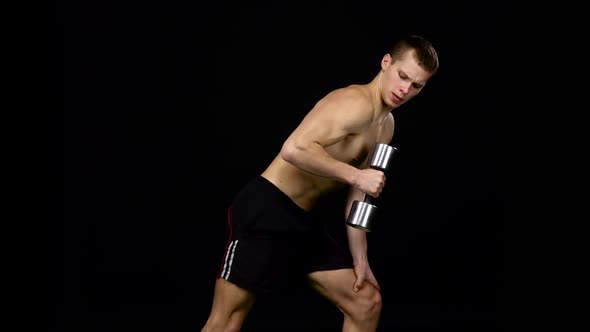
x: 170, y: 107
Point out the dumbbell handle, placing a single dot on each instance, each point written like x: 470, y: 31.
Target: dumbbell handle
x: 368, y: 199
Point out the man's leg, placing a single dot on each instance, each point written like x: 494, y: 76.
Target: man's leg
x: 231, y: 305
x: 361, y: 310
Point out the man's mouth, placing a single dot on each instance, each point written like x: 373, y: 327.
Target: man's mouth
x: 396, y: 98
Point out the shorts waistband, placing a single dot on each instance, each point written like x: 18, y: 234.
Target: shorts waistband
x: 289, y: 203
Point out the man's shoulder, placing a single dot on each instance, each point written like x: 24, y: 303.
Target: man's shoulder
x: 354, y: 91
x: 351, y: 95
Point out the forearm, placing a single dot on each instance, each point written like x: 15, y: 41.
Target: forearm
x: 314, y: 159
x: 357, y: 238
x: 357, y: 242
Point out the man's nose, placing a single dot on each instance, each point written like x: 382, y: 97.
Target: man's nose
x: 406, y: 87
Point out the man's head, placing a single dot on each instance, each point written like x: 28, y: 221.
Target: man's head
x: 411, y: 62
x: 424, y: 52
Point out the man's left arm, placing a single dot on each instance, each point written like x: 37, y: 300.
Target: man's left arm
x: 357, y: 238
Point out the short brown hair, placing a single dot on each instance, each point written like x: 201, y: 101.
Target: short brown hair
x: 425, y: 52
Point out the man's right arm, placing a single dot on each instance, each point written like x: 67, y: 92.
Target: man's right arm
x: 332, y: 119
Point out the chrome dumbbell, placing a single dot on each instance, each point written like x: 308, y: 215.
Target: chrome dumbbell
x: 362, y: 213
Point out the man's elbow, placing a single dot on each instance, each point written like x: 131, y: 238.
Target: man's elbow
x: 289, y: 151
x: 294, y: 150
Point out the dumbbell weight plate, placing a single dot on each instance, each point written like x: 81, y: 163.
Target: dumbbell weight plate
x: 381, y: 155
x: 362, y: 215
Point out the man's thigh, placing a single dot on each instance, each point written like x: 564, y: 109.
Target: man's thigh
x: 337, y: 287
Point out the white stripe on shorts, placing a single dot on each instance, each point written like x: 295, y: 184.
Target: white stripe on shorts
x: 229, y: 258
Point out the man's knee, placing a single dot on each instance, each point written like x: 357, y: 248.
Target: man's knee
x: 218, y: 325
x: 366, y: 304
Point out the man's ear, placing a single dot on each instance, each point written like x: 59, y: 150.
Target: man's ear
x: 386, y: 61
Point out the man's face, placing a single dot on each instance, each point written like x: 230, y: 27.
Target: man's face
x: 403, y: 78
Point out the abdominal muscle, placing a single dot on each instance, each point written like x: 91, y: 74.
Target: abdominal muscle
x: 305, y: 188
x: 302, y: 187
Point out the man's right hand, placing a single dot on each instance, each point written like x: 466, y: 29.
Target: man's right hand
x: 370, y: 181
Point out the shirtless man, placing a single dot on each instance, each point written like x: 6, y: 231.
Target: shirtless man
x: 273, y: 236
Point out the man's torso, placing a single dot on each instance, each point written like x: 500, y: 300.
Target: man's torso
x: 305, y: 188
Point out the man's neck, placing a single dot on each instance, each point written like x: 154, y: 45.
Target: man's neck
x: 376, y: 89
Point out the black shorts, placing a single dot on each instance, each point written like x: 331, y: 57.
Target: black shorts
x: 273, y: 242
